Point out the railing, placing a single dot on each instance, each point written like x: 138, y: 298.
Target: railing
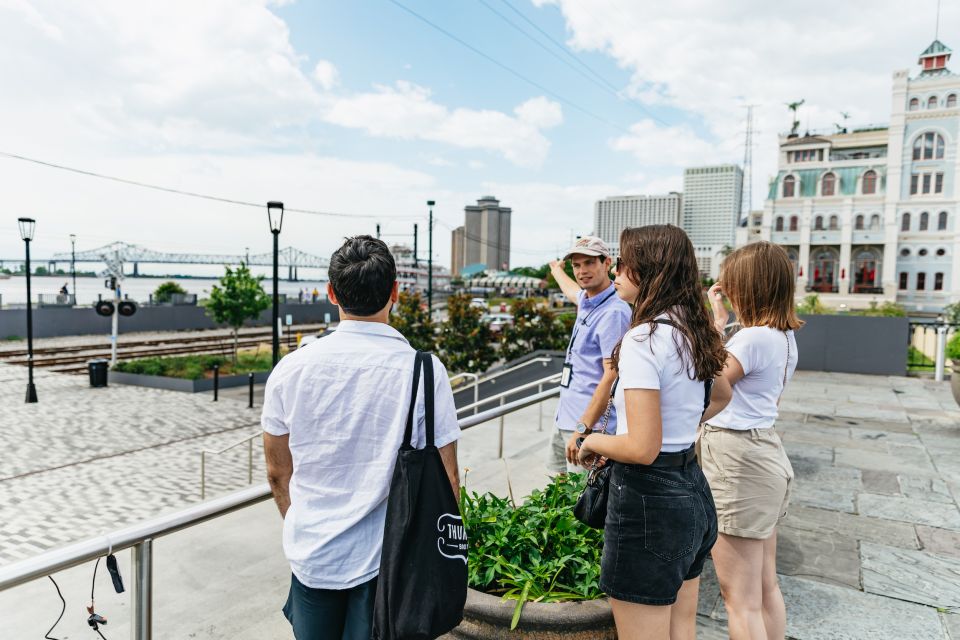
x: 203, y: 457
x: 140, y: 537
x: 477, y: 380
x: 56, y: 299
x: 926, y: 347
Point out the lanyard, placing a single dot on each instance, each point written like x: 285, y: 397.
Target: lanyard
x: 583, y: 322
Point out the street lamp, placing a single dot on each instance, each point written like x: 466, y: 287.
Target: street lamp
x: 275, y: 216
x: 73, y: 264
x: 430, y: 204
x: 27, y: 227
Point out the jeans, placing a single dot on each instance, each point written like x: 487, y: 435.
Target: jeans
x: 330, y: 614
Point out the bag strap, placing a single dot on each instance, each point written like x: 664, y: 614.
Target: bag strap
x: 428, y: 398
x: 408, y: 432
x: 786, y: 368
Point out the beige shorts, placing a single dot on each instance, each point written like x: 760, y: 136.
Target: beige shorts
x: 557, y: 453
x: 750, y: 477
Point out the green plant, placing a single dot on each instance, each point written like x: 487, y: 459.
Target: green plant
x: 811, y: 306
x: 238, y: 298
x: 465, y: 341
x: 953, y: 347
x: 412, y: 319
x: 195, y: 367
x: 535, y: 552
x: 165, y: 291
x: 951, y: 313
x: 885, y: 310
x: 534, y: 327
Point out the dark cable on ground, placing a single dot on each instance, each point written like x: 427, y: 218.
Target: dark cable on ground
x: 47, y: 635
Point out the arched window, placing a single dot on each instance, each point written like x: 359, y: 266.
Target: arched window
x: 828, y: 185
x: 924, y: 221
x: 789, y: 186
x: 823, y: 269
x: 938, y: 282
x: 932, y: 102
x: 778, y: 226
x: 818, y: 223
x: 914, y: 104
x: 921, y: 281
x: 905, y: 223
x: 794, y: 223
x: 870, y: 182
x: 874, y: 222
x: 834, y: 223
x: 858, y: 223
x: 951, y: 101
x: 865, y: 270
x: 942, y: 221
x: 928, y: 146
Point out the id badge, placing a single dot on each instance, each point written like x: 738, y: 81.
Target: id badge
x: 566, y: 375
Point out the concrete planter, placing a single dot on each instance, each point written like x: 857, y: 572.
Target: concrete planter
x: 487, y: 617
x: 955, y: 381
x: 179, y: 384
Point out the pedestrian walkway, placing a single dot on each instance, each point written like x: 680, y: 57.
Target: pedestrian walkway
x: 870, y: 550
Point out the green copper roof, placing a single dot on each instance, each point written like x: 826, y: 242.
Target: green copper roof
x: 808, y: 180
x: 936, y: 48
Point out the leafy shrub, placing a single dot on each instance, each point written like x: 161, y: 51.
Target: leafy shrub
x: 537, y: 551
x: 165, y: 291
x: 885, y: 310
x: 953, y: 347
x: 465, y: 341
x: 534, y: 327
x: 195, y: 367
x: 812, y: 306
x: 412, y: 319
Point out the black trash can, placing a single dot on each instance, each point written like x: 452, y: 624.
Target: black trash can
x: 98, y: 372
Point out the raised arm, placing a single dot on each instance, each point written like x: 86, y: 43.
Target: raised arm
x: 567, y: 284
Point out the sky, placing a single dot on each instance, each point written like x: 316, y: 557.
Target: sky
x: 367, y: 109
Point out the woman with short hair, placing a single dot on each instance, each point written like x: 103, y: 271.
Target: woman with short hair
x: 740, y: 451
x: 661, y: 521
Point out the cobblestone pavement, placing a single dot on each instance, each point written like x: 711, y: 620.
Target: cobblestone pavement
x: 870, y: 550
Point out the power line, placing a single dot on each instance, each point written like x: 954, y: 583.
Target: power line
x: 194, y: 194
x: 511, y: 70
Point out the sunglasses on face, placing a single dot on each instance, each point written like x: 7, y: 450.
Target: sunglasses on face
x: 617, y: 265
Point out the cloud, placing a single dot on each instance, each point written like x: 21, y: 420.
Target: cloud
x: 678, y: 146
x: 326, y: 75
x: 406, y: 111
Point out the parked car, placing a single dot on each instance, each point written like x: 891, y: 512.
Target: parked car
x: 497, y: 321
x: 480, y: 303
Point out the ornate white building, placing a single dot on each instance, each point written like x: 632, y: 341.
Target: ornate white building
x: 871, y: 214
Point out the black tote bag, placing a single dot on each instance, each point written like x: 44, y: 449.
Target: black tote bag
x: 423, y: 570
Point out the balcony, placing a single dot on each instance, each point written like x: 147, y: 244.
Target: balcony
x: 825, y: 236
x: 785, y: 237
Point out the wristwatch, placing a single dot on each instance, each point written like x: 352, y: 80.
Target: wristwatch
x: 583, y: 429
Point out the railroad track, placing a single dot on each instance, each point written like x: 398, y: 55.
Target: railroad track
x: 73, y: 358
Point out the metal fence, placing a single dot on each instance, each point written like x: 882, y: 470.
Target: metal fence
x: 926, y: 345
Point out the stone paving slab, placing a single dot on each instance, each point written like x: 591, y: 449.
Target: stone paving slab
x: 936, y: 514
x: 939, y: 541
x: 914, y: 576
x: 832, y: 558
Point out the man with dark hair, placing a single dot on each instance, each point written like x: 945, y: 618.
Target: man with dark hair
x: 333, y: 419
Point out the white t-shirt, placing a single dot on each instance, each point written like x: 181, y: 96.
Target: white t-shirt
x: 343, y: 400
x: 762, y: 352
x: 652, y: 362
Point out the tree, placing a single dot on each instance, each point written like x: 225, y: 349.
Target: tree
x: 165, y: 292
x: 951, y: 313
x: 465, y: 341
x: 533, y: 328
x: 811, y: 305
x: 412, y: 319
x: 238, y: 298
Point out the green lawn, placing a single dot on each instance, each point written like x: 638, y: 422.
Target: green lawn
x: 918, y: 361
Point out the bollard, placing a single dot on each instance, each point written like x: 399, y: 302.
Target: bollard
x: 216, y: 382
x: 250, y: 375
x: 941, y: 353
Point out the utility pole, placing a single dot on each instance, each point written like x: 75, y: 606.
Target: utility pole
x: 73, y: 264
x: 415, y: 245
x: 378, y: 231
x: 430, y: 204
x: 747, y: 176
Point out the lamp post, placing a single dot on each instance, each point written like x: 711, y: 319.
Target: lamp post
x: 73, y: 264
x: 27, y: 227
x: 430, y: 204
x: 275, y: 216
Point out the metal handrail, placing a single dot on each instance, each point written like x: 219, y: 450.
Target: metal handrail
x: 140, y: 536
x: 553, y: 377
x: 542, y: 359
x: 203, y: 460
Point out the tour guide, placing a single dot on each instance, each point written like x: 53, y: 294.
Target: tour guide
x: 588, y: 375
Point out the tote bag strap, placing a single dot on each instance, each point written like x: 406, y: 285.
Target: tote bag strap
x: 428, y: 398
x: 411, y: 412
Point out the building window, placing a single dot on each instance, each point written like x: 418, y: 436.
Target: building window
x: 794, y: 223
x: 942, y: 221
x: 858, y: 223
x: 834, y: 223
x: 926, y: 183
x: 941, y: 252
x: 905, y: 223
x: 932, y: 102
x: 778, y: 226
x: 789, y: 186
x: 865, y: 271
x: 828, y: 185
x: 914, y: 104
x: 921, y: 281
x: 929, y: 146
x: 938, y: 282
x: 870, y: 182
x: 938, y: 182
x: 903, y: 280
x: 914, y: 179
x: 951, y: 101
x: 818, y: 223
x: 922, y: 253
x: 924, y: 221
x: 904, y: 253
x: 874, y: 222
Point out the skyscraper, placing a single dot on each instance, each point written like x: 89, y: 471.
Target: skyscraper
x: 457, y: 250
x: 487, y: 234
x: 612, y: 215
x: 711, y: 212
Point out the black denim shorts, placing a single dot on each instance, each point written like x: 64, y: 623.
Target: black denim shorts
x: 661, y: 524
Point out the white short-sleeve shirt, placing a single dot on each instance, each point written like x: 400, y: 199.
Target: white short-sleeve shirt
x: 652, y: 362
x: 343, y: 400
x: 762, y: 352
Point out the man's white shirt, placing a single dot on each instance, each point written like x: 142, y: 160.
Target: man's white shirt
x: 343, y: 400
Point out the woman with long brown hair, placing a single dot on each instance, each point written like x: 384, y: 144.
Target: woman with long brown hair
x: 661, y: 521
x: 741, y: 454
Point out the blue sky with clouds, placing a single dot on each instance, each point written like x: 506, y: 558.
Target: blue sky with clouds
x: 362, y: 109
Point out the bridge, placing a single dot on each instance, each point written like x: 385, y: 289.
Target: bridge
x: 118, y: 254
